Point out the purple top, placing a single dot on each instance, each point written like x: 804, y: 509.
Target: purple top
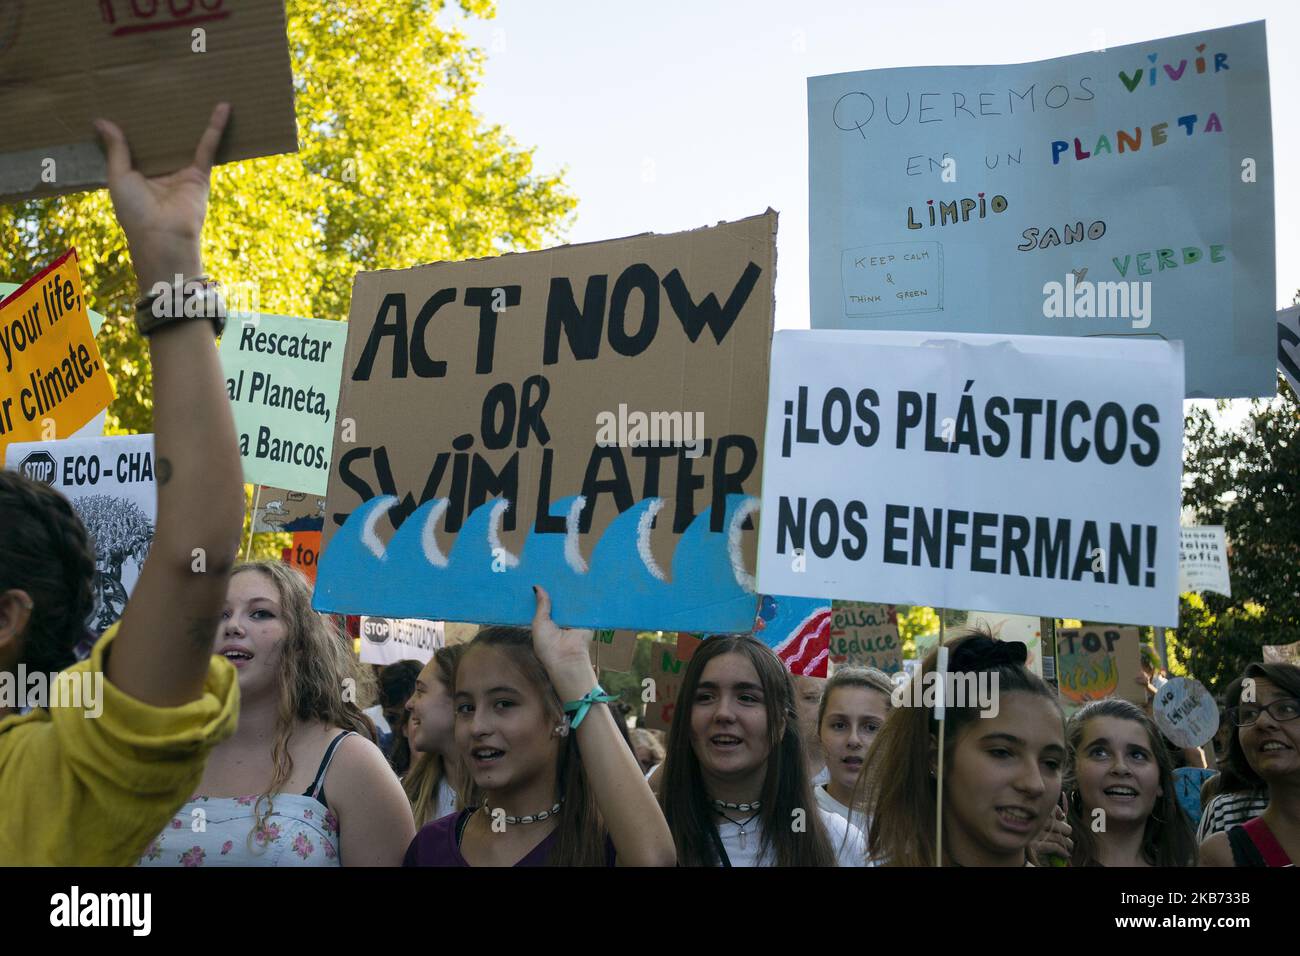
x: 437, y: 844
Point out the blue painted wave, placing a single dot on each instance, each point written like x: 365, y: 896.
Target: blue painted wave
x: 705, y: 590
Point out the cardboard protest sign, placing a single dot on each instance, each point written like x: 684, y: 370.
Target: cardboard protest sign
x: 613, y: 650
x: 53, y: 380
x: 282, y: 375
x: 1126, y: 192
x: 687, y: 644
x: 1097, y: 661
x: 279, y: 509
x: 304, y: 553
x: 666, y: 671
x: 1288, y: 346
x: 65, y: 62
x: 865, y: 635
x: 111, y: 484
x: 798, y: 630
x: 388, y: 640
x: 1282, y: 653
x: 1203, y: 560
x: 1186, y: 713
x: 1027, y: 474
x: 587, y: 418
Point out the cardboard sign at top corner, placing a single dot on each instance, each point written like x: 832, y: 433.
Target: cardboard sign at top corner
x: 1122, y: 192
x: 65, y: 62
x: 587, y: 418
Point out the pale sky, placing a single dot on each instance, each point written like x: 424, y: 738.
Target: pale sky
x: 682, y: 113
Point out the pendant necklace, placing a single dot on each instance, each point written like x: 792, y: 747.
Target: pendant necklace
x: 744, y: 834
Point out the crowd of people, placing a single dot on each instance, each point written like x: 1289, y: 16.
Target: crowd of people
x: 225, y: 735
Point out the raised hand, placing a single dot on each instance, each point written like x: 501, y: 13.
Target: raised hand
x: 563, y: 651
x: 162, y: 217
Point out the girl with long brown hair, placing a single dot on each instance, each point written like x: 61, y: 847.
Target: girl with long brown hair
x: 735, y: 787
x: 1003, y: 753
x: 1124, y: 808
x: 560, y: 785
x: 300, y: 783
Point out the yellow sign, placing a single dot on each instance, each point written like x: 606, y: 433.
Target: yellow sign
x: 52, y: 379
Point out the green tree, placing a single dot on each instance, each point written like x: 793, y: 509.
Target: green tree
x: 1245, y: 479
x: 395, y: 169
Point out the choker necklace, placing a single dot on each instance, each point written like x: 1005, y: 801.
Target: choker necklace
x: 742, y: 807
x: 530, y: 817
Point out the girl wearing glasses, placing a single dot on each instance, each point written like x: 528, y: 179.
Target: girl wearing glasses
x: 1264, y: 749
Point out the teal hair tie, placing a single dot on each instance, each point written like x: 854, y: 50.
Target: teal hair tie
x: 579, y: 708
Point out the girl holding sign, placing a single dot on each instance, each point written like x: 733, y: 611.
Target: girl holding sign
x: 437, y: 774
x: 1003, y: 756
x: 1265, y: 749
x: 852, y: 712
x: 300, y: 783
x: 525, y: 705
x: 1124, y: 808
x: 735, y: 787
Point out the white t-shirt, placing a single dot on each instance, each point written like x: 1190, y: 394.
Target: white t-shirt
x: 823, y: 776
x: 446, y: 802
x: 846, y: 840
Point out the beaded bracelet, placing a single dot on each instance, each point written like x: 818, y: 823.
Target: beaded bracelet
x: 596, y: 695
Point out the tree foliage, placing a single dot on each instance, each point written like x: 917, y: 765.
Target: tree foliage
x: 1245, y: 479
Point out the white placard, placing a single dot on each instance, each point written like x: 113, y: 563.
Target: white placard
x: 387, y: 640
x: 1186, y: 713
x: 1203, y: 560
x: 110, y: 482
x: 975, y: 471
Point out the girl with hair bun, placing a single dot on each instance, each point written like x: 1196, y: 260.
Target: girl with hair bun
x: 1003, y: 756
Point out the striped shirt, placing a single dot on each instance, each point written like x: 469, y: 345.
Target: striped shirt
x: 1229, y: 810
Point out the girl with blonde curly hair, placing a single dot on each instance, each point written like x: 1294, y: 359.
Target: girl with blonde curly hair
x: 300, y: 783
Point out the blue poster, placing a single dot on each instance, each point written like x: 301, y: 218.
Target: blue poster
x: 1123, y: 192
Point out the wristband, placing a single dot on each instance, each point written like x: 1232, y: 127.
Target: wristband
x: 579, y: 708
x: 177, y: 302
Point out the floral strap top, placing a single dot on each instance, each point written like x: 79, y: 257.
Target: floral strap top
x: 218, y: 831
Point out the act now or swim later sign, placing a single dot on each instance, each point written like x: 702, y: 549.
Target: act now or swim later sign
x: 1123, y: 192
x: 587, y: 418
x: 1029, y: 474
